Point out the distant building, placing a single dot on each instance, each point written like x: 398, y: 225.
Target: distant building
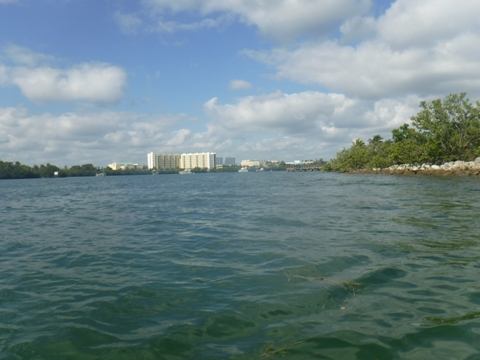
x: 219, y: 161
x: 198, y: 160
x: 229, y: 161
x: 299, y: 162
x: 124, y: 166
x: 163, y: 161
x: 250, y: 163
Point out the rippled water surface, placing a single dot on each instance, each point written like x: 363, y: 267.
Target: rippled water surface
x: 240, y: 266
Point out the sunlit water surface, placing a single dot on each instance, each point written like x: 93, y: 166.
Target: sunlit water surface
x: 240, y: 266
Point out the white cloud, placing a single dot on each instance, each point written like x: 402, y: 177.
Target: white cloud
x: 39, y: 82
x: 414, y: 48
x: 411, y: 23
x: 281, y: 113
x: 357, y: 28
x: 129, y: 23
x: 178, y: 138
x: 173, y: 26
x: 239, y: 84
x: 336, y: 128
x: 279, y: 19
x: 94, y: 82
x: 73, y: 138
x: 23, y: 56
x: 133, y: 22
x: 325, y: 122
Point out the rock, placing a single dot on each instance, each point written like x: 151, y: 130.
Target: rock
x: 456, y: 168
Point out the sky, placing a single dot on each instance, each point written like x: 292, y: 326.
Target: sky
x: 102, y: 81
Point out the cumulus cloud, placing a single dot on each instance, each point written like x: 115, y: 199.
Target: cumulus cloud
x: 281, y: 19
x: 72, y: 138
x: 410, y: 23
x: 279, y: 112
x: 413, y: 50
x: 39, y: 82
x: 239, y: 84
x: 94, y: 82
x: 307, y: 117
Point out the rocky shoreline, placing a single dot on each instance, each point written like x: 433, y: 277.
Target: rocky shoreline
x: 454, y: 168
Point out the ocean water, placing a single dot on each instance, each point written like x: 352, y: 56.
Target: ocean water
x: 240, y: 266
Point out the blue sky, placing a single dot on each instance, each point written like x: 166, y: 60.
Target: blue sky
x: 98, y: 81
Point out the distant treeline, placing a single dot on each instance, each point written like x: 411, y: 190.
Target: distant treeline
x: 444, y: 130
x: 16, y: 170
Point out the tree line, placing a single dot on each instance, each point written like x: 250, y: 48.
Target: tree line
x: 16, y: 170
x: 444, y: 130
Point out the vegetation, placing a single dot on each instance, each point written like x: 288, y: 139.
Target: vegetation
x: 444, y: 130
x: 16, y: 170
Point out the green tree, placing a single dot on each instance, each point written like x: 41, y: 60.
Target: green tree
x: 408, y: 146
x: 451, y: 128
x: 358, y: 143
x: 375, y: 141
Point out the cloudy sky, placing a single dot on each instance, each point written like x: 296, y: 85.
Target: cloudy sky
x: 98, y: 81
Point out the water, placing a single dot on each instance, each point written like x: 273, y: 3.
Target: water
x: 240, y: 266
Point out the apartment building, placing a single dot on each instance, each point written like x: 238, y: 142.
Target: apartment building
x: 163, y: 161
x: 198, y: 160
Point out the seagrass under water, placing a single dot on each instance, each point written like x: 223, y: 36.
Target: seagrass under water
x: 240, y: 266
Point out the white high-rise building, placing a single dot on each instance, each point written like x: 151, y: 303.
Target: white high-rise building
x: 163, y: 161
x: 198, y: 160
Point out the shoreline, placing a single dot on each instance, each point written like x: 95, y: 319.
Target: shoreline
x: 453, y: 168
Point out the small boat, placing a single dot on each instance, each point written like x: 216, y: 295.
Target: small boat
x: 100, y: 174
x: 186, y: 172
x: 154, y: 172
x: 243, y: 169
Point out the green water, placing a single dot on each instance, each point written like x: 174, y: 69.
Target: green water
x: 240, y: 266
